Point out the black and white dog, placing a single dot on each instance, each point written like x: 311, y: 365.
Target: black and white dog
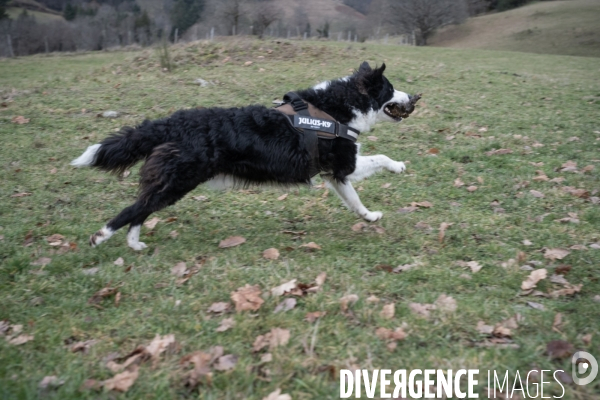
x: 249, y: 145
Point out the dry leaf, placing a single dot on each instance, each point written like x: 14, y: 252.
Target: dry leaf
x: 313, y: 316
x: 557, y: 349
x: 284, y: 288
x: 534, y: 278
x: 151, y: 223
x: 388, y: 334
x: 559, y: 279
x: 348, y: 300
x: 372, y: 138
x: 179, y: 269
x: 388, y: 311
x: 587, y: 339
x: 24, y: 194
x: 433, y: 150
x: 474, y: 265
x: 55, y: 240
x: 321, y: 279
x: 556, y: 254
x: 271, y: 254
x: 219, y: 308
x: 423, y: 204
x: 247, y: 298
x: 527, y: 242
x: 225, y: 325
x: 537, y: 194
x: 123, y: 381
x: 231, y: 241
x: 286, y: 305
x: 386, y: 185
x: 458, y: 183
x: 485, y: 329
x: 359, y: 226
x: 422, y: 310
x: 536, y: 306
x: 82, y: 346
x: 102, y: 293
x: 276, y: 395
x: 445, y: 303
x: 225, y: 363
x: 174, y: 234
x: 567, y: 291
x: 21, y: 339
x: 201, y: 371
x: 443, y: 227
x: 50, y: 381
x: 282, y: 197
x: 20, y: 120
x: 497, y: 152
x: 200, y: 198
x: 311, y: 246
x: 557, y: 321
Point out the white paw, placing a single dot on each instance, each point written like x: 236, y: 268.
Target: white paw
x: 373, y: 216
x: 397, y: 167
x: 138, y: 246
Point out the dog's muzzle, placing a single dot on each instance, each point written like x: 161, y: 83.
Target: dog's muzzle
x: 398, y: 111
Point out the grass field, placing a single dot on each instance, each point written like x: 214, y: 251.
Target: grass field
x: 548, y: 27
x: 543, y: 108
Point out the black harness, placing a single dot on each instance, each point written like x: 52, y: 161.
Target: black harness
x: 314, y: 124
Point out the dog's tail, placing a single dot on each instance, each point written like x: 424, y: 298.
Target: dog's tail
x: 122, y: 150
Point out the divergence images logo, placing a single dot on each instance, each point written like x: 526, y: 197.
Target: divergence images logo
x: 587, y: 363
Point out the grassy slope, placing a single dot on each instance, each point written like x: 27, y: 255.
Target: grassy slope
x: 548, y: 27
x: 542, y: 98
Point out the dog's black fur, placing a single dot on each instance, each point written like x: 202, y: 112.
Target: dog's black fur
x: 254, y: 144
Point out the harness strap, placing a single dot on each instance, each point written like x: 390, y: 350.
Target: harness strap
x: 315, y: 124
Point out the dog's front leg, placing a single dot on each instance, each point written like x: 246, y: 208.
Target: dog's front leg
x: 351, y: 199
x: 368, y: 165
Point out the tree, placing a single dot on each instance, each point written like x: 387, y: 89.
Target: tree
x: 185, y: 13
x: 264, y: 14
x: 70, y: 12
x: 423, y: 17
x: 3, y: 4
x: 231, y: 13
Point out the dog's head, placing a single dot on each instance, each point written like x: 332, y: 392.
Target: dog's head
x: 391, y: 105
x: 368, y: 97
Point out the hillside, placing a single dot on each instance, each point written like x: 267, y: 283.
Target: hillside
x: 556, y: 27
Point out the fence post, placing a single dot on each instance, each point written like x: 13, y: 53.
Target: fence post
x: 349, y: 36
x: 212, y: 33
x: 175, y: 38
x: 46, y: 44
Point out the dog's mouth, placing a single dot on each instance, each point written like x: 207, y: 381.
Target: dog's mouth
x: 398, y: 111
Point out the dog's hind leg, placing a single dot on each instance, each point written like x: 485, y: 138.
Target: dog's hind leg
x: 165, y: 179
x: 351, y: 199
x: 369, y: 165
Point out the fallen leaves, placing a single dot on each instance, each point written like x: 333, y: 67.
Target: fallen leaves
x: 55, y: 240
x: 313, y: 316
x: 443, y: 227
x: 19, y: 120
x: 495, y: 152
x: 219, y: 308
x: 271, y: 254
x: 106, y: 291
x: 231, y: 241
x: 225, y: 325
x: 202, y: 362
x: 122, y: 381
x: 275, y: 338
x: 558, y: 349
x: 347, y: 301
x: 311, y: 246
x: 247, y: 298
x: 556, y: 254
x: 286, y: 305
x: 22, y: 194
x: 534, y: 278
x: 537, y: 194
x: 151, y: 223
x: 473, y: 265
x: 444, y: 303
x: 388, y: 334
x: 364, y: 227
x: 388, y: 311
x: 276, y: 395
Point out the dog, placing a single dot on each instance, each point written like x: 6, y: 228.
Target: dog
x: 250, y: 145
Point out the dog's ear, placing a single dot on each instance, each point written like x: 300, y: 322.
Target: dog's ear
x: 364, y: 67
x: 380, y: 69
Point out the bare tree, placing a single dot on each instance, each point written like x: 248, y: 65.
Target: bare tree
x: 231, y: 13
x: 423, y: 17
x: 264, y: 13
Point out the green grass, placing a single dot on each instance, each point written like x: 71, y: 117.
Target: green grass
x: 546, y: 27
x: 547, y: 99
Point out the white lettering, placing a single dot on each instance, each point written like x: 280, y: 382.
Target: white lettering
x: 428, y: 384
x: 444, y: 383
x: 459, y: 394
x: 412, y: 384
x: 346, y: 382
x: 400, y: 388
x: 370, y: 386
x: 535, y: 384
x: 542, y: 384
x: 472, y: 383
x: 557, y: 380
x: 517, y: 377
x: 383, y: 384
x: 501, y: 387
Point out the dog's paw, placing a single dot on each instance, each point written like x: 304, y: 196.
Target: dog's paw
x: 373, y: 216
x: 138, y: 246
x: 397, y: 167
